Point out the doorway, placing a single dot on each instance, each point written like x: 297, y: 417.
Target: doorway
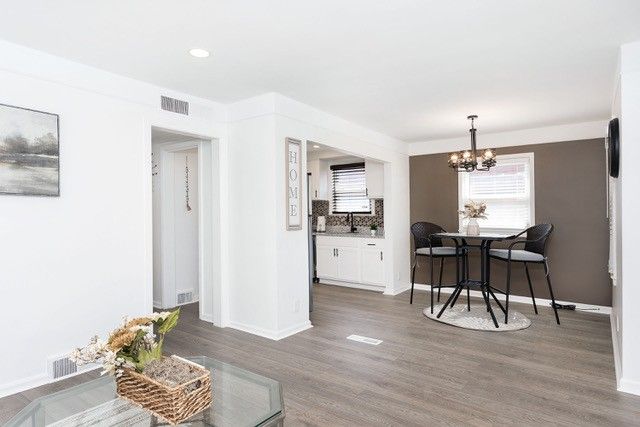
x: 184, y: 240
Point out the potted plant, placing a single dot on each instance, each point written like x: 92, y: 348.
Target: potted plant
x: 172, y: 388
x: 472, y: 211
x: 374, y: 229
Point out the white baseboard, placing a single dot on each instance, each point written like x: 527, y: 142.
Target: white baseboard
x: 271, y: 334
x: 394, y: 292
x: 599, y: 309
x: 616, y: 349
x: 287, y: 332
x: 629, y: 386
x: 36, y: 381
x: 206, y: 317
x: 375, y: 288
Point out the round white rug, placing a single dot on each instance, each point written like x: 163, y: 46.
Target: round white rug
x: 478, y: 318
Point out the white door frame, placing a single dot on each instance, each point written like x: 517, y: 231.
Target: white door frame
x: 209, y: 248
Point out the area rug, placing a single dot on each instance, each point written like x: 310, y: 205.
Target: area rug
x: 478, y: 318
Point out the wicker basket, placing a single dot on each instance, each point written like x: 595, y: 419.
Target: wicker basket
x: 173, y: 405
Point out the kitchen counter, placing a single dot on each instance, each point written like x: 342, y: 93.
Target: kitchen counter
x: 359, y: 234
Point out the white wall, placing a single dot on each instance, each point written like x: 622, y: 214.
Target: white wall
x: 74, y: 265
x: 252, y: 254
x: 625, y: 303
x: 262, y: 251
x: 186, y: 222
x: 184, y: 225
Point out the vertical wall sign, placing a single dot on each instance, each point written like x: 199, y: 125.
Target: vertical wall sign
x: 294, y: 184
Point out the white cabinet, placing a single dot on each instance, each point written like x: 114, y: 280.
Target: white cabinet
x: 326, y: 261
x: 318, y: 183
x: 351, y: 261
x: 348, y: 264
x: 372, y: 264
x: 374, y: 176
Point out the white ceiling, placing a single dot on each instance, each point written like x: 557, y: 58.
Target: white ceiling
x: 411, y: 69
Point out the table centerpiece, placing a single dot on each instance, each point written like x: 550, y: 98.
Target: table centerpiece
x: 172, y: 388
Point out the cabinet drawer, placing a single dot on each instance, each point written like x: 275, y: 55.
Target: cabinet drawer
x: 372, y: 243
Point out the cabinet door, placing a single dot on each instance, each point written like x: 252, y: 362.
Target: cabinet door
x: 373, y: 266
x: 374, y: 176
x: 326, y: 262
x: 348, y: 264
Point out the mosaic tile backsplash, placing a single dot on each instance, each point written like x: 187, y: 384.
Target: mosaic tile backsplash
x: 321, y: 208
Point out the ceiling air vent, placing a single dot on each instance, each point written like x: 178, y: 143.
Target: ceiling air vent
x: 174, y: 105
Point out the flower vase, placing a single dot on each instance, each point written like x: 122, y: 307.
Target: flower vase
x: 473, y: 229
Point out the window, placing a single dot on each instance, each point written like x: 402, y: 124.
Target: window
x: 507, y: 189
x: 349, y: 189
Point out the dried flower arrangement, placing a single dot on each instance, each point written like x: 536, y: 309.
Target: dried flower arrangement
x: 474, y: 210
x: 172, y: 388
x: 133, y: 345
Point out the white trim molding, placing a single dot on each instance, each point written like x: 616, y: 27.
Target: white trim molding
x: 543, y: 135
x: 275, y: 335
x: 598, y: 309
x: 363, y: 286
x: 629, y: 386
x: 37, y: 380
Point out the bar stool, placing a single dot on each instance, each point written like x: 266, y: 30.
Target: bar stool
x: 534, y: 252
x: 432, y: 247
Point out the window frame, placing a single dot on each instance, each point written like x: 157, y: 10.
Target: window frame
x: 463, y: 179
x: 350, y: 165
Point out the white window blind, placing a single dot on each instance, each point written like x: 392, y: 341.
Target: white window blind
x: 506, y: 188
x: 349, y: 189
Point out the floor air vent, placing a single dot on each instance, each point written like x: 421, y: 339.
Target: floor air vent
x: 174, y: 105
x: 61, y: 367
x: 185, y: 297
x: 365, y: 340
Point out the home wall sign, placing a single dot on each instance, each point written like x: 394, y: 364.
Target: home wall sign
x: 294, y: 183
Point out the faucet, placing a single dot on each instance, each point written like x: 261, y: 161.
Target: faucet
x: 353, y: 228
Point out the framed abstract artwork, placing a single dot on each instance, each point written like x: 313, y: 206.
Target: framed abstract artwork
x: 29, y: 152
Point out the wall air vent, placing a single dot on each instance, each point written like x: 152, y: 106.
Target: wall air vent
x: 61, y: 367
x: 174, y: 105
x: 185, y: 297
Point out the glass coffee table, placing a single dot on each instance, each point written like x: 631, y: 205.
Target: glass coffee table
x: 240, y: 398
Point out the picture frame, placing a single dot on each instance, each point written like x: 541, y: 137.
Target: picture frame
x: 293, y: 184
x: 29, y: 152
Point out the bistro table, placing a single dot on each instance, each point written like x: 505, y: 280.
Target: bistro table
x: 462, y: 273
x: 240, y: 398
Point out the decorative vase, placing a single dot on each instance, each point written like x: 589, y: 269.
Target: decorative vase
x: 373, y: 232
x: 172, y: 404
x: 473, y: 229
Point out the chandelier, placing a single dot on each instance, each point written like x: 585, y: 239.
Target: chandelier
x: 468, y: 160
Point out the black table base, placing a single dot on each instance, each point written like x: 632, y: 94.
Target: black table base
x: 462, y: 271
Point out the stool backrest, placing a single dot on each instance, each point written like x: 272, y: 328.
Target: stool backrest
x: 421, y: 232
x: 540, y: 233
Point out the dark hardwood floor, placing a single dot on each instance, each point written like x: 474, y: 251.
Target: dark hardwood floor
x: 424, y: 373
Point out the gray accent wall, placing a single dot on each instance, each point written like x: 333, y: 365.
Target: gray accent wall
x: 570, y: 193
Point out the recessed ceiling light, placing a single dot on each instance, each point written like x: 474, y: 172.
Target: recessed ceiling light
x: 199, y: 53
x: 316, y: 146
